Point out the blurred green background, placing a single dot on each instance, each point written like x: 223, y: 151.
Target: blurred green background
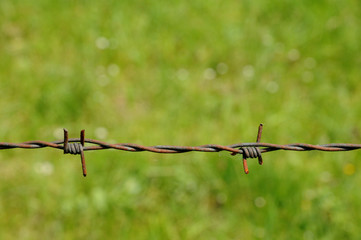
x: 180, y: 73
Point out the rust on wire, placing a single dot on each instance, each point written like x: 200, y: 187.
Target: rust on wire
x: 252, y: 152
x: 76, y: 148
x: 248, y: 150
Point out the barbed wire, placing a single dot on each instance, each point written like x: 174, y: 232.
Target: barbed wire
x: 248, y: 150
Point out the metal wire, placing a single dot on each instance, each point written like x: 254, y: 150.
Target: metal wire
x: 248, y: 150
x: 235, y: 148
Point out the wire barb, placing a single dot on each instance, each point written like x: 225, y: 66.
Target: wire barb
x: 260, y: 128
x: 76, y: 148
x: 251, y: 152
x: 248, y: 150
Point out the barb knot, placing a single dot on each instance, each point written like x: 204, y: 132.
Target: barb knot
x: 73, y: 148
x: 251, y: 152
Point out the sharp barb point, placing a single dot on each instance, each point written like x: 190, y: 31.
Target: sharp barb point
x: 245, y: 166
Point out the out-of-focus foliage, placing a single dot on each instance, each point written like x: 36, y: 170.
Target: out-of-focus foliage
x: 182, y: 73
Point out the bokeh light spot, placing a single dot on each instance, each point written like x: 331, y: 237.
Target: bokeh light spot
x: 248, y: 72
x: 293, y: 55
x: 209, y: 74
x: 259, y: 202
x: 101, y: 133
x: 182, y: 74
x: 102, y: 43
x: 222, y: 68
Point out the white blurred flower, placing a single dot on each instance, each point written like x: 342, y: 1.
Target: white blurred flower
x: 44, y: 168
x: 272, y: 87
x: 101, y: 132
x: 248, y: 71
x: 102, y: 43
x: 58, y: 133
x: 132, y: 186
x: 260, y: 202
x: 113, y: 70
x: 209, y: 74
x: 222, y: 68
x: 293, y: 55
x: 182, y: 74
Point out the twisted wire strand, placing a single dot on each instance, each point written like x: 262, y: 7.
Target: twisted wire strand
x: 234, y: 148
x: 248, y: 150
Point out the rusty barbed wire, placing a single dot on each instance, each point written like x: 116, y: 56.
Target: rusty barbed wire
x: 248, y: 150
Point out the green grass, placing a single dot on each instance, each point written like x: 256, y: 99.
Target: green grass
x: 180, y: 73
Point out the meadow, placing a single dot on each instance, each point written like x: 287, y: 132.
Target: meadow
x: 180, y: 73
